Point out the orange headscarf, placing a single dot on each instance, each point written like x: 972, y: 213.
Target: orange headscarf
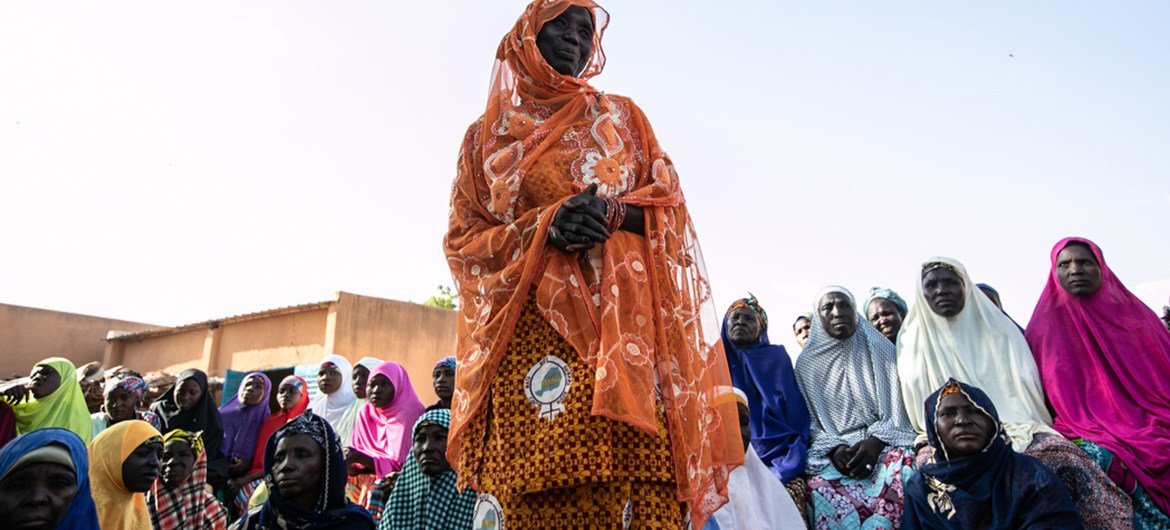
x: 637, y: 309
x: 118, y: 508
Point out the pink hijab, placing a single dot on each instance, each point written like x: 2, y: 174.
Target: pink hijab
x: 1105, y: 363
x: 383, y: 433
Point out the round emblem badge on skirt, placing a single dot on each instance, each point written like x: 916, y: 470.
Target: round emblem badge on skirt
x: 489, y: 515
x: 547, y: 385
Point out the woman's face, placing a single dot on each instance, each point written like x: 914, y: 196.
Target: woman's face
x: 252, y: 391
x: 361, y: 376
x: 187, y: 394
x: 443, y: 379
x: 743, y: 326
x: 801, y: 328
x: 328, y: 378
x: 288, y: 396
x: 962, y: 428
x: 1078, y: 270
x: 838, y: 316
x: 380, y: 391
x: 178, y: 460
x: 36, y: 496
x: 141, y: 468
x: 297, y: 469
x: 430, y: 449
x: 45, y: 381
x: 944, y: 294
x: 121, y: 405
x: 885, y: 316
x: 566, y: 42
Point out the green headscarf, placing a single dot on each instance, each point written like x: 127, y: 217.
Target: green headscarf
x: 64, y: 408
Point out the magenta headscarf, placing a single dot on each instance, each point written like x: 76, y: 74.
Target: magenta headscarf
x: 383, y: 433
x: 1105, y: 363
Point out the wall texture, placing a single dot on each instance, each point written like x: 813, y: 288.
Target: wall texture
x: 29, y: 335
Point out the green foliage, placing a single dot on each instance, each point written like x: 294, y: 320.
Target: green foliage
x: 447, y: 298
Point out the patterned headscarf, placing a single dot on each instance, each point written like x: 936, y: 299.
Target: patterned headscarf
x: 750, y: 303
x: 888, y: 294
x: 419, y: 501
x: 129, y: 381
x: 446, y: 361
x: 188, y: 506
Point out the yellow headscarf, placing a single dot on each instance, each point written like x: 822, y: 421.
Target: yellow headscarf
x: 64, y: 408
x: 118, y: 508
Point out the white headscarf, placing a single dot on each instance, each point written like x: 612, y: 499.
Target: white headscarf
x: 980, y: 346
x: 851, y: 388
x: 369, y: 362
x: 332, y: 406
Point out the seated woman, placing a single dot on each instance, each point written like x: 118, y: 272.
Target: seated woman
x: 1096, y: 345
x: 293, y: 397
x: 763, y: 372
x: 860, y: 451
x: 443, y: 380
x: 756, y: 500
x: 306, y: 465
x: 179, y: 500
x: 52, y: 398
x: 885, y: 310
x: 190, y: 406
x: 334, y: 378
x: 976, y: 480
x: 242, y: 418
x: 124, y: 463
x: 122, y: 394
x: 953, y: 330
x: 44, y: 483
x: 424, y: 494
x: 381, y: 436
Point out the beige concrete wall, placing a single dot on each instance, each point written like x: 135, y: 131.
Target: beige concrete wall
x: 28, y: 335
x: 170, y: 353
x: 272, y: 342
x: 412, y: 334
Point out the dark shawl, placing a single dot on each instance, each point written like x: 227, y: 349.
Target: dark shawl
x: 333, y: 510
x: 995, y: 489
x: 203, y: 417
x: 779, y: 416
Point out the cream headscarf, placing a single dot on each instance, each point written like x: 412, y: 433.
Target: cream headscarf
x: 333, y: 406
x: 980, y: 346
x: 118, y: 508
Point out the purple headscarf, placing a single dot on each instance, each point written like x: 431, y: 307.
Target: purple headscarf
x: 1105, y: 362
x: 241, y: 423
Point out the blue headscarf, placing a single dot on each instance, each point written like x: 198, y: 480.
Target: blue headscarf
x: 81, y: 514
x: 779, y: 416
x: 333, y: 510
x: 995, y: 488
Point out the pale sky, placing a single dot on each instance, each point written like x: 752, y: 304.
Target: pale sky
x: 177, y: 162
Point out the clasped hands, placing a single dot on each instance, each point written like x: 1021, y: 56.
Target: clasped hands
x: 580, y: 222
x: 859, y: 460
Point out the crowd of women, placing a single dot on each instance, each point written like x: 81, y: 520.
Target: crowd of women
x: 364, y: 454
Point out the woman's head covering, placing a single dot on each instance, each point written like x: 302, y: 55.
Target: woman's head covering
x: 369, y: 362
x: 445, y: 506
x: 1095, y: 353
x: 446, y: 361
x: 383, y: 433
x: 980, y: 345
x: 118, y: 507
x: 203, y: 417
x: 47, y: 445
x: 332, y: 406
x: 763, y: 372
x: 332, y: 510
x: 241, y: 423
x: 851, y: 387
x: 888, y: 294
x: 995, y: 488
x: 127, y: 380
x: 64, y: 408
x: 278, y: 419
x: 188, y: 505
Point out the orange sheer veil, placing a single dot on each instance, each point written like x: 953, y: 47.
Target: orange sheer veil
x: 650, y: 327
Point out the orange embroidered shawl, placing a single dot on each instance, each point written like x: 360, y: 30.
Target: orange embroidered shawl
x: 637, y: 309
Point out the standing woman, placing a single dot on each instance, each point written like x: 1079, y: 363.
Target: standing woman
x: 124, y: 463
x: 52, y: 398
x: 242, y: 418
x: 293, y: 397
x: 47, y: 464
x: 334, y: 377
x: 381, y: 435
x: 190, y: 407
x: 587, y: 338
